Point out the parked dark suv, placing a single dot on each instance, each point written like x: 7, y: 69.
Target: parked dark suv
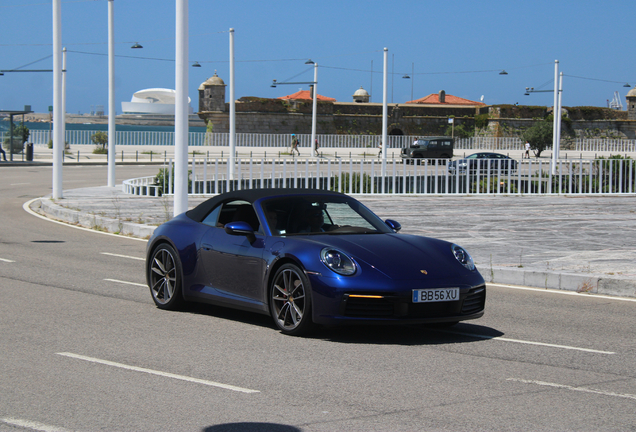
x: 429, y: 148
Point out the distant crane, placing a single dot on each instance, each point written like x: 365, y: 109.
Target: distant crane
x: 616, y: 102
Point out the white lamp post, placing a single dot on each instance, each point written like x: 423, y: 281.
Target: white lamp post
x: 181, y: 110
x: 385, y: 110
x: 556, y: 114
x: 231, y: 161
x: 58, y: 138
x: 314, y: 110
x: 64, y: 95
x: 555, y: 144
x: 558, y: 121
x: 111, y: 95
x: 314, y: 104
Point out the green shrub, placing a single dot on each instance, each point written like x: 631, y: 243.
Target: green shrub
x: 495, y: 184
x: 163, y: 177
x: 345, y: 179
x: 100, y: 138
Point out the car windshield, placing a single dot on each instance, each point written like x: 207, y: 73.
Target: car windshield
x: 320, y: 214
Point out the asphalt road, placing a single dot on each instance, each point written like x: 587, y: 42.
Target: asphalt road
x: 83, y: 348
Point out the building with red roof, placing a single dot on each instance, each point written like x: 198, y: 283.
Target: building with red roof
x: 442, y: 98
x: 306, y: 95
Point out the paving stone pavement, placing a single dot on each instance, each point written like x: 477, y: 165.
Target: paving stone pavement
x: 585, y: 244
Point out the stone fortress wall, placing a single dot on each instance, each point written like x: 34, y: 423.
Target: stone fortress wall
x: 277, y: 116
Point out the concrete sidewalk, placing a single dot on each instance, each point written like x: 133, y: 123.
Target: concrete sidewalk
x: 584, y: 244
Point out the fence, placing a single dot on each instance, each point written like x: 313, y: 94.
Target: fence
x: 83, y: 137
x: 356, y: 176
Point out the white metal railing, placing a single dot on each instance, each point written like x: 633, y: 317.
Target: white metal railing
x: 144, y: 186
x: 606, y: 145
x: 83, y: 137
x: 360, y: 176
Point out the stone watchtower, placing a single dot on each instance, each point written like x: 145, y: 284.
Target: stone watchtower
x: 631, y: 104
x: 212, y: 94
x: 361, y: 96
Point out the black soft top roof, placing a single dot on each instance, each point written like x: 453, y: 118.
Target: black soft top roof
x: 251, y: 195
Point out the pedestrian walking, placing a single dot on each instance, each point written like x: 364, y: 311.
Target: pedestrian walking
x: 380, y: 148
x: 4, y: 155
x: 527, y: 150
x: 294, y: 145
x: 316, y: 147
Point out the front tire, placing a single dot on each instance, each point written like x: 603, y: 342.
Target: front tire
x: 164, y: 274
x: 290, y: 300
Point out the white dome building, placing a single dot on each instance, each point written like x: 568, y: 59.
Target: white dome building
x: 152, y: 101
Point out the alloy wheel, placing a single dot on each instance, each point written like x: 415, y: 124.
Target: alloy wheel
x: 163, y: 276
x: 289, y: 300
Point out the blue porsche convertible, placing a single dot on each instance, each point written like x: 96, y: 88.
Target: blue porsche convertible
x: 308, y: 257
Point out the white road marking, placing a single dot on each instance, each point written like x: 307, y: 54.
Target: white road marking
x: 502, y: 339
x: 127, y: 283
x: 123, y: 256
x: 28, y: 424
x: 154, y: 372
x: 18, y: 184
x: 6, y: 260
x: 564, y: 292
x: 579, y: 389
x: 27, y: 208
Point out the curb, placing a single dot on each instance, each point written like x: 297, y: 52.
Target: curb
x: 94, y: 222
x: 592, y: 284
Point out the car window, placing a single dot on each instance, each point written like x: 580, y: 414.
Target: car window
x: 212, y: 217
x: 320, y: 214
x: 342, y: 214
x: 235, y: 211
x: 472, y: 156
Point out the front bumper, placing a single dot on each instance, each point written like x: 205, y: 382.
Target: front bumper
x: 355, y: 307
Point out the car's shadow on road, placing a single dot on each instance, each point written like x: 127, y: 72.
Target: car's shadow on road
x: 407, y: 334
x: 417, y: 334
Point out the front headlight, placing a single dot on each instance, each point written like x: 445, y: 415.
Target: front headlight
x: 338, y: 261
x: 463, y: 257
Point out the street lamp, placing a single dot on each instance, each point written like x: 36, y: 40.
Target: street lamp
x: 556, y: 129
x: 314, y: 106
x: 412, y: 78
x: 112, y: 130
x: 58, y: 138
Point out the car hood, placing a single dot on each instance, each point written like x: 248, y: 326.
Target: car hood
x: 400, y: 256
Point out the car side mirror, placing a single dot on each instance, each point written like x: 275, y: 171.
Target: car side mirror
x: 240, y: 228
x: 394, y: 225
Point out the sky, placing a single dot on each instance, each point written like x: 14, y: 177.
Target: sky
x: 456, y: 46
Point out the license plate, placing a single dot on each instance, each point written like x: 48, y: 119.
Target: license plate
x: 435, y: 295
